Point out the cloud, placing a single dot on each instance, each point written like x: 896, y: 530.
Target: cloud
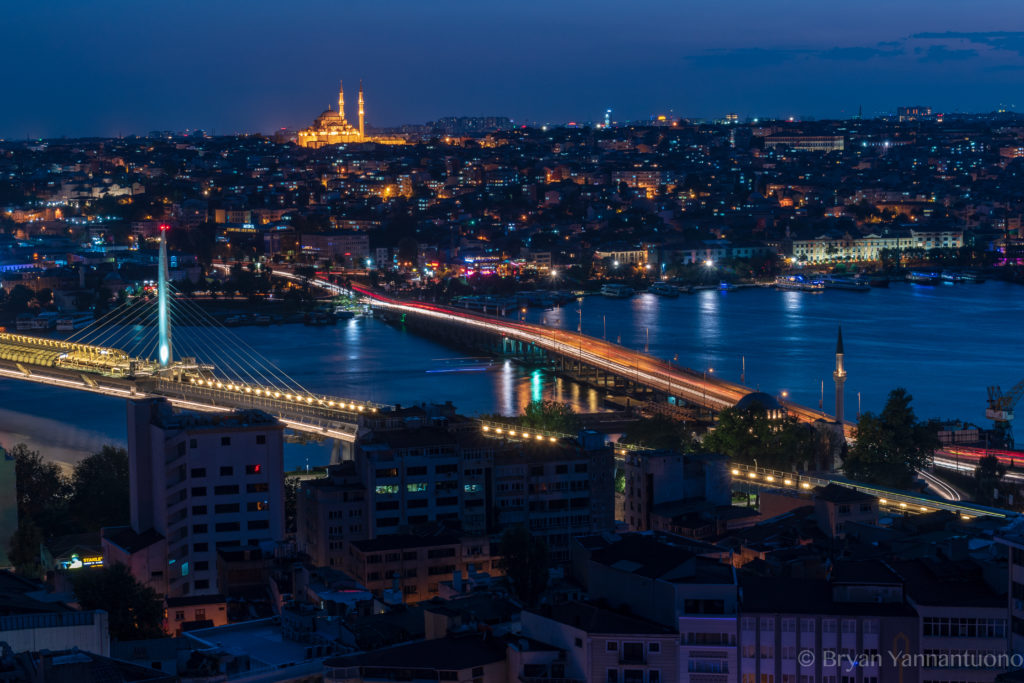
x: 859, y: 54
x: 941, y: 53
x: 1012, y: 41
x: 745, y: 57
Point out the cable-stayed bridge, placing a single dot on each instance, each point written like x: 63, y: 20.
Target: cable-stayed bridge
x: 165, y: 345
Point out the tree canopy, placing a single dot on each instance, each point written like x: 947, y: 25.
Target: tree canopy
x: 892, y: 446
x: 135, y: 611
x: 749, y: 435
x: 551, y: 416
x: 100, y: 489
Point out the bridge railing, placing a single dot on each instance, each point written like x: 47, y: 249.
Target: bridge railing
x: 891, y: 499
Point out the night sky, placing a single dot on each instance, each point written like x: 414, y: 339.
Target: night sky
x: 107, y: 67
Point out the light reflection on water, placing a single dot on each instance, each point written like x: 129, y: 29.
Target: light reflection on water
x: 944, y: 344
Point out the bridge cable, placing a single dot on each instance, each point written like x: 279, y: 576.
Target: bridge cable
x: 259, y: 362
x: 229, y: 364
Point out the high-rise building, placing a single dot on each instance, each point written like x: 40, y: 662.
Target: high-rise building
x: 199, y: 482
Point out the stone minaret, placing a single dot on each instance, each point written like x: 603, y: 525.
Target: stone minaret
x: 362, y: 131
x: 341, y: 101
x: 839, y: 375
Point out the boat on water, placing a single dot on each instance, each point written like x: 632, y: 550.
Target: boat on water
x: 664, y: 289
x: 317, y: 318
x: 847, y: 284
x: 73, y: 322
x: 617, y: 291
x: 919, y: 278
x: 344, y: 314
x: 798, y: 283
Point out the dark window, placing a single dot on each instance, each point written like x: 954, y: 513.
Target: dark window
x: 198, y: 509
x: 654, y: 647
x: 561, y: 469
x: 227, y: 471
x: 421, y: 503
x: 580, y: 468
x: 181, y: 448
x: 199, y: 491
x: 388, y: 505
x: 387, y: 521
x: 198, y: 471
x: 261, y: 439
x: 201, y: 584
x: 537, y: 471
x: 613, y: 674
x: 447, y: 469
x: 179, y: 615
x: 387, y: 472
x: 225, y: 490
x: 199, y: 528
x: 256, y: 488
x: 224, y: 508
x: 200, y: 547
x: 202, y: 566
x: 440, y: 552
x: 258, y: 524
x: 253, y: 469
x: 225, y: 441
x: 415, y: 471
x: 228, y: 526
x: 418, y: 519
x: 193, y: 443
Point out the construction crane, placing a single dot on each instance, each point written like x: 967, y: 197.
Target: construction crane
x: 1000, y: 410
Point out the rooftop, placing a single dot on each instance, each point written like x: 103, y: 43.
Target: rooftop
x: 451, y: 653
x: 598, y: 620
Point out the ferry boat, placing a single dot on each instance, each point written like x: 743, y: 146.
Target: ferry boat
x: 919, y: 278
x: 664, y: 289
x: 317, y: 318
x: 847, y: 284
x: 617, y: 291
x: 69, y: 323
x: 798, y: 283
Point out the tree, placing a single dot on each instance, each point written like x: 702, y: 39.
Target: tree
x: 988, y: 477
x: 751, y: 435
x: 551, y: 416
x: 42, y: 488
x: 135, y: 611
x: 100, y: 489
x: 891, y: 447
x: 660, y: 432
x: 525, y: 560
x: 24, y: 549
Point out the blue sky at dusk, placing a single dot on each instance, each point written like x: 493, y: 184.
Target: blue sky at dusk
x: 105, y: 67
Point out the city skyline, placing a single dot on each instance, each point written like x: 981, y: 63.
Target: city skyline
x: 137, y: 69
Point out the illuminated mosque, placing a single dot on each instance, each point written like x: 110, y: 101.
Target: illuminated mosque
x: 332, y: 128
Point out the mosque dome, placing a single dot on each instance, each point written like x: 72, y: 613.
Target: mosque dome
x: 759, y: 400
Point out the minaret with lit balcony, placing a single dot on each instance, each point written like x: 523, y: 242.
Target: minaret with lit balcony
x: 839, y: 375
x: 362, y: 131
x: 341, y: 101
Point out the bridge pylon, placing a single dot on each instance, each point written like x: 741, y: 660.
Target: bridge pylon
x: 163, y: 320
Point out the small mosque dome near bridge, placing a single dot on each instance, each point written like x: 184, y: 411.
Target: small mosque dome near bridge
x: 759, y: 400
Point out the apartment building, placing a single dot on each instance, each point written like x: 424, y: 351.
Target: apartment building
x: 416, y: 565
x: 414, y: 475
x: 199, y: 481
x: 859, y: 612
